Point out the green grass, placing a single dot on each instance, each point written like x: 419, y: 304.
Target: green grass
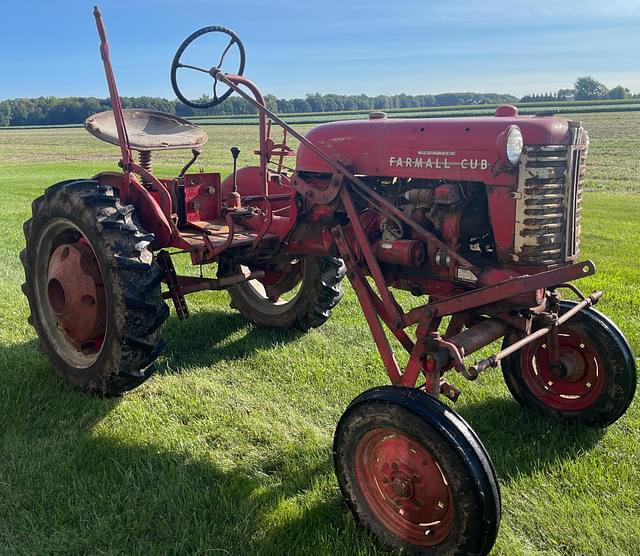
x: 227, y: 450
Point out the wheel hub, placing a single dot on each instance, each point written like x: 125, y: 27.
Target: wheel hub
x: 75, y: 291
x: 579, y: 379
x: 404, y: 486
x: 573, y: 365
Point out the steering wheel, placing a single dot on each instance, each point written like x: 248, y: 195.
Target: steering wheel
x: 177, y: 64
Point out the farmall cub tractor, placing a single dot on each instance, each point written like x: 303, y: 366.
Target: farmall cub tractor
x: 478, y: 217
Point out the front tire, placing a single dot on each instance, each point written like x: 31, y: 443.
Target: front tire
x: 415, y: 474
x: 313, y: 287
x: 93, y: 288
x: 598, y: 380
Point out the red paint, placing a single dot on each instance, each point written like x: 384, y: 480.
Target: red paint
x: 75, y: 292
x: 404, y: 486
x: 584, y: 381
x: 368, y: 146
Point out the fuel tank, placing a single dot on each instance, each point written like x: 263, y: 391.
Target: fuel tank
x: 464, y: 149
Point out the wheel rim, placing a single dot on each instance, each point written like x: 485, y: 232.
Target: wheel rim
x: 260, y: 290
x: 404, y: 486
x: 69, y: 288
x: 580, y: 381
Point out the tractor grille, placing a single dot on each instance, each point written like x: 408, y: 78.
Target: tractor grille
x: 549, y: 200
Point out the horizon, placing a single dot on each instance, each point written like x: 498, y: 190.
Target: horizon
x: 417, y: 50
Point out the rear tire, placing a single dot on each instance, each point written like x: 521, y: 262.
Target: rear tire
x: 415, y: 474
x: 319, y: 291
x: 114, y: 269
x: 601, y: 380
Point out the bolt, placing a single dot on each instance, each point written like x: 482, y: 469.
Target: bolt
x: 385, y: 480
x: 211, y: 190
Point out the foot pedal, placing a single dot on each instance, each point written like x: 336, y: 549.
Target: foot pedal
x: 175, y: 293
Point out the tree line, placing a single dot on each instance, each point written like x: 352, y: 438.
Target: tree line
x: 74, y: 110
x: 585, y: 88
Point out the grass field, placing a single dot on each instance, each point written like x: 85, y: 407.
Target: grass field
x: 227, y: 450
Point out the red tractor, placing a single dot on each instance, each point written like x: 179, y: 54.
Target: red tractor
x: 478, y: 217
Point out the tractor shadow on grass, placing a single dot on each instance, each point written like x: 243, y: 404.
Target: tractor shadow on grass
x: 521, y: 442
x: 206, y: 338
x: 156, y: 500
x: 79, y: 486
x: 36, y: 404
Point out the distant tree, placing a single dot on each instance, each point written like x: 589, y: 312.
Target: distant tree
x: 619, y: 92
x: 587, y: 88
x: 5, y: 113
x: 566, y: 94
x: 272, y: 102
x: 301, y: 105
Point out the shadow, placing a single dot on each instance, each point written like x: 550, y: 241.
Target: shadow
x: 208, y: 337
x: 33, y: 400
x: 73, y: 482
x: 520, y: 441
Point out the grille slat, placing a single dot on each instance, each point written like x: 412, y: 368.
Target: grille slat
x: 549, y: 203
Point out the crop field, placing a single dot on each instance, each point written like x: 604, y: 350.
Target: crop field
x: 463, y: 110
x: 227, y: 450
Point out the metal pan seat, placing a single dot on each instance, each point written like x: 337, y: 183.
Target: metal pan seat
x: 148, y: 130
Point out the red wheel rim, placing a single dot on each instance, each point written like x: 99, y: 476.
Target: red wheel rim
x: 582, y: 378
x: 404, y: 486
x: 75, y: 290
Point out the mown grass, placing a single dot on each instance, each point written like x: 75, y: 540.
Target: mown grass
x: 227, y: 450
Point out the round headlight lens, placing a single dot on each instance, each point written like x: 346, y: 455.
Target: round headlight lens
x: 515, y: 144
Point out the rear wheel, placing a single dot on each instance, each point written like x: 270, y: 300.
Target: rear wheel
x: 415, y: 474
x: 93, y: 288
x: 299, y: 293
x: 596, y: 381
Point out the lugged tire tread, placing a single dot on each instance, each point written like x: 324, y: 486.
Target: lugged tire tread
x: 138, y: 309
x: 322, y: 291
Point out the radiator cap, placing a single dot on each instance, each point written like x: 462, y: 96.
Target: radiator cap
x: 506, y: 111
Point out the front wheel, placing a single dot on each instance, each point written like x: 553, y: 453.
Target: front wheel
x: 596, y: 381
x: 415, y: 474
x: 299, y: 293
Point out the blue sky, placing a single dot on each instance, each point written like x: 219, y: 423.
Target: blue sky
x: 341, y: 46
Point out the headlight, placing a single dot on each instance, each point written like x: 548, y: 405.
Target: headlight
x: 515, y: 145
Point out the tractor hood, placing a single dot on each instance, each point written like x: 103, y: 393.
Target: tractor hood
x: 436, y: 148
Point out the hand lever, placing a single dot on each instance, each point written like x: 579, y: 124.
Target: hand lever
x: 234, y: 200
x: 235, y: 153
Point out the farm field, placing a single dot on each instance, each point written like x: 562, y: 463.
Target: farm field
x: 227, y: 450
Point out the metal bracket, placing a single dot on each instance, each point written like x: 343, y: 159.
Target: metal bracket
x: 171, y: 279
